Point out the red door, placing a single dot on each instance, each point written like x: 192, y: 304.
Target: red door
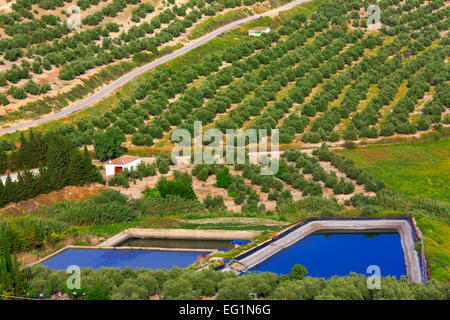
x: 117, y: 169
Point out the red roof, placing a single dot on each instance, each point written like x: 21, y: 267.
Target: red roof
x: 123, y: 160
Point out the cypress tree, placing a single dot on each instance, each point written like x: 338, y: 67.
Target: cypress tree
x: 86, y: 164
x: 42, y: 147
x: 3, y: 161
x: 75, y: 172
x: 58, y: 156
x: 3, y: 199
x: 31, y: 160
x: 7, y: 272
x: 13, y: 161
x: 22, y: 152
x: 9, y: 189
x: 12, y: 279
x: 37, y: 148
x: 51, y: 177
x: 30, y: 184
x: 61, y: 165
x: 90, y: 172
x: 45, y: 181
x: 20, y: 187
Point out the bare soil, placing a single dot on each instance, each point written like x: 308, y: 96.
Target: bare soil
x: 69, y: 193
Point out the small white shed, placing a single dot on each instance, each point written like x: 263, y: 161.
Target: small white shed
x: 258, y: 31
x: 115, y: 166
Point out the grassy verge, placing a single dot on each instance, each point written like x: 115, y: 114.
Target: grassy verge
x: 437, y: 247
x: 218, y: 21
x: 308, y: 8
x: 415, y: 169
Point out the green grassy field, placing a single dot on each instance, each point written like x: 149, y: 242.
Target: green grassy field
x: 415, y: 169
x: 217, y: 21
x: 437, y: 247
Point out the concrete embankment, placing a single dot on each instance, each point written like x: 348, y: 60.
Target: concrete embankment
x: 185, y: 234
x: 210, y: 251
x: 264, y: 251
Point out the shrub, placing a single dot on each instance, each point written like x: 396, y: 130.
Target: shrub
x: 179, y: 289
x: 214, y: 203
x: 120, y: 179
x: 234, y: 289
x: 17, y: 93
x: 163, y: 166
x: 446, y: 119
x: 162, y: 162
x: 152, y: 170
x: 423, y: 123
x: 3, y: 99
x: 97, y: 291
x: 298, y: 272
x: 239, y: 288
x: 129, y: 289
x: 179, y: 187
x: 183, y: 175
x: 148, y: 282
x: 223, y: 178
x: 108, y: 144
x: 203, y: 174
x: 349, y: 145
x: 368, y: 211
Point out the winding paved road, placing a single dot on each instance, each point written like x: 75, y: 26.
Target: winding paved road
x: 131, y: 75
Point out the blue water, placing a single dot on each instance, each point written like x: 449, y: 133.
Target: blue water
x: 327, y: 254
x: 97, y: 258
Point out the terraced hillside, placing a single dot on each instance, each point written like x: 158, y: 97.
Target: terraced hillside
x: 325, y: 77
x: 320, y: 75
x: 246, y: 189
x: 47, y: 61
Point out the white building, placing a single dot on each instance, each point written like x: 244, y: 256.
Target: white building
x: 115, y: 166
x: 258, y: 31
